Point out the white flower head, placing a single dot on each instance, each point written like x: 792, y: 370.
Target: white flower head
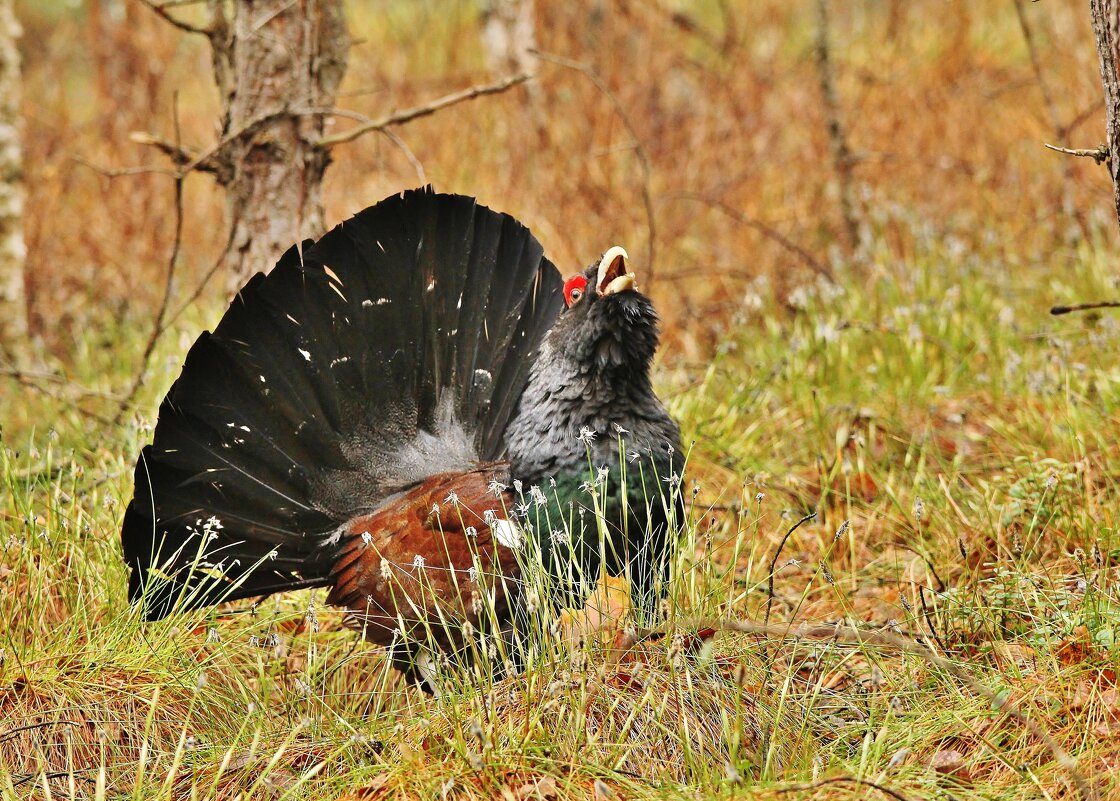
x: 496, y: 487
x: 537, y: 495
x: 586, y: 435
x: 367, y: 538
x: 452, y: 498
x: 418, y: 562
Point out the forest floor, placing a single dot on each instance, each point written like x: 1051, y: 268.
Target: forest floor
x: 946, y: 626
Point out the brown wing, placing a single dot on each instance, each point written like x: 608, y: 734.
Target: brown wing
x: 427, y: 562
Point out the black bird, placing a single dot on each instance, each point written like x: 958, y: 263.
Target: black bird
x: 419, y: 414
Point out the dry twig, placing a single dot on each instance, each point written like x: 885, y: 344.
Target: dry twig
x: 400, y: 117
x: 1061, y: 131
x: 161, y: 315
x: 1098, y: 154
x: 813, y: 263
x: 1104, y: 304
x: 639, y: 150
x: 163, y: 10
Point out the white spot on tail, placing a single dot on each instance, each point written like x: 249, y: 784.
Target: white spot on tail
x: 507, y: 533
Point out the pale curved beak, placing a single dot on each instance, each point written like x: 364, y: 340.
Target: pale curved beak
x: 613, y: 277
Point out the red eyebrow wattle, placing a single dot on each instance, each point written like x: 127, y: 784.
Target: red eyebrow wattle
x: 575, y: 282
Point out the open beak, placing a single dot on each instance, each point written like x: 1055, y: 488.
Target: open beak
x: 613, y: 276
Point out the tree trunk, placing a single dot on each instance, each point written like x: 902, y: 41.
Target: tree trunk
x: 842, y: 159
x: 13, y: 299
x: 508, y: 35
x: 1106, y: 29
x: 278, y: 65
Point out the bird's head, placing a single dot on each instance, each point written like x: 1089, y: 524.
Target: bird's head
x: 607, y: 325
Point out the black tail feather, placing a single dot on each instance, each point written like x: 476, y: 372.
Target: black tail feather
x: 395, y: 347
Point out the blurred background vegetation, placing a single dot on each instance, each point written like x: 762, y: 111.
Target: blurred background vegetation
x: 944, y: 111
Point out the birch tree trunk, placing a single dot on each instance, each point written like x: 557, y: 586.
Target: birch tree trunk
x: 1106, y: 30
x: 13, y: 300
x: 278, y: 64
x: 508, y: 36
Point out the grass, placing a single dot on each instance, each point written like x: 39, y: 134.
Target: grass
x: 955, y: 443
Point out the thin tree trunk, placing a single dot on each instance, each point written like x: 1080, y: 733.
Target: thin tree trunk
x: 509, y: 36
x: 278, y: 65
x: 842, y: 159
x: 13, y: 299
x: 1106, y: 29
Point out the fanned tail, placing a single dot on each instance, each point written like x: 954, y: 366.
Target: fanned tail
x: 395, y: 347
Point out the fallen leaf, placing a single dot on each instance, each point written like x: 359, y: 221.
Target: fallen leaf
x: 949, y: 762
x: 543, y: 788
x: 604, y: 610
x: 370, y: 792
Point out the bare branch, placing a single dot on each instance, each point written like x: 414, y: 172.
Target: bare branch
x: 639, y: 150
x: 1068, y: 206
x: 402, y: 146
x: 813, y: 263
x: 197, y: 293
x: 400, y: 117
x: 1104, y: 304
x: 1099, y: 154
x: 31, y: 378
x: 160, y: 324
x: 180, y: 155
x: 162, y: 9
x: 121, y: 172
